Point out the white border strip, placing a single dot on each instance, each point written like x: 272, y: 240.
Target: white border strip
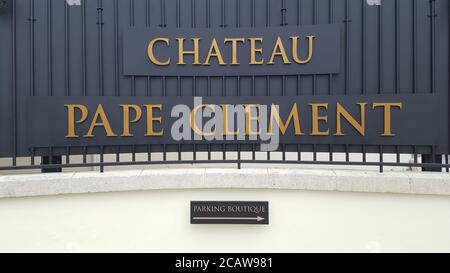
x: 163, y: 179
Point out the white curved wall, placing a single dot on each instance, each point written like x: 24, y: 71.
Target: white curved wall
x: 158, y: 220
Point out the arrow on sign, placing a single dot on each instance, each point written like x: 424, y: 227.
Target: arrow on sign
x: 258, y: 218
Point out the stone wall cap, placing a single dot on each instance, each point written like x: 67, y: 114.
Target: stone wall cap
x: 27, y: 185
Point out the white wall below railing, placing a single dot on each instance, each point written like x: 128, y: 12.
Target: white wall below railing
x: 310, y: 210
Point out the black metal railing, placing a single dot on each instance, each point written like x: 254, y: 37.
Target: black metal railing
x: 55, y: 159
x: 88, y: 79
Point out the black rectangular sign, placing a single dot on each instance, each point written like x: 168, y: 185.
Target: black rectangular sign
x: 230, y: 212
x: 387, y: 120
x: 232, y: 52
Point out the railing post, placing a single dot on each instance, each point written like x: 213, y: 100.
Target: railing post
x: 432, y: 159
x: 50, y: 160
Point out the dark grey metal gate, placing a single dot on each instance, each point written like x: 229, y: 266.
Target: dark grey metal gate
x: 74, y: 48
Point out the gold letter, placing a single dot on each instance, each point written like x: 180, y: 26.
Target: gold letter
x: 387, y: 115
x: 181, y: 51
x: 234, y: 46
x: 151, y: 56
x: 214, y: 51
x: 316, y: 118
x: 295, y: 49
x: 151, y: 119
x: 71, y: 118
x: 340, y: 111
x: 193, y: 124
x: 254, y: 50
x: 274, y: 115
x: 126, y: 117
x: 249, y: 118
x: 100, y: 113
x: 278, y: 50
x: 225, y: 122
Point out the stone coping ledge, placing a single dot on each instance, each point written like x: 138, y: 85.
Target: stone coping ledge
x: 206, y: 178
